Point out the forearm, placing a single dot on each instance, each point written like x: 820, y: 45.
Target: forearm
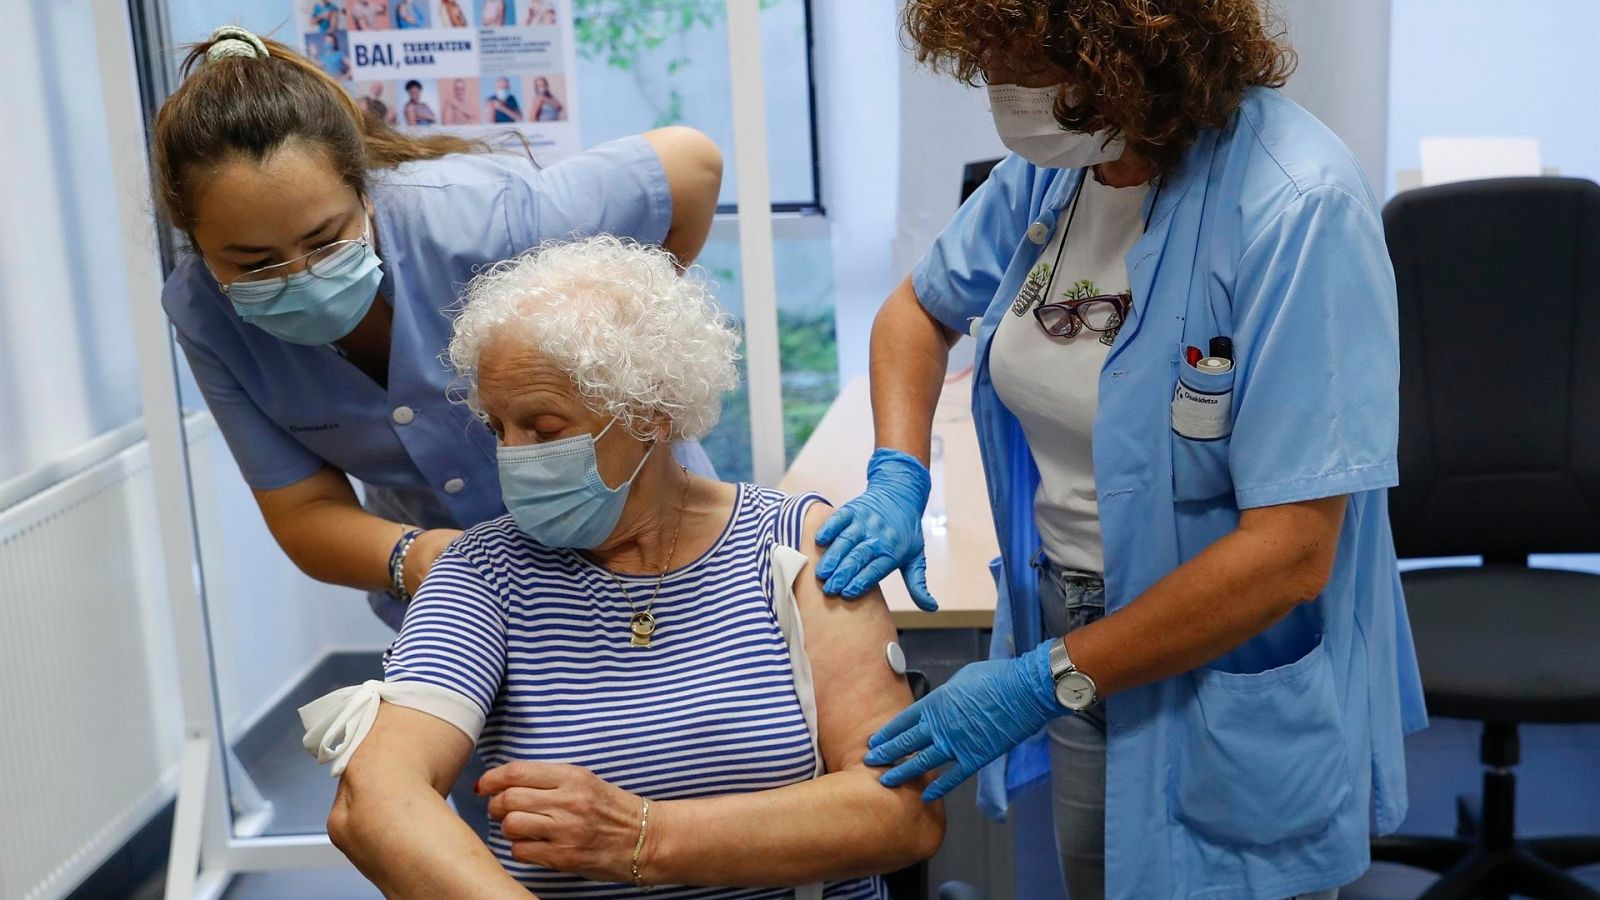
x: 406, y: 841
x: 322, y: 528
x: 1232, y: 591
x: 842, y: 825
x: 910, y: 350
x: 344, y: 545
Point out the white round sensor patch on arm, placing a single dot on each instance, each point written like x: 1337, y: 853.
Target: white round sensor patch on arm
x: 897, y: 658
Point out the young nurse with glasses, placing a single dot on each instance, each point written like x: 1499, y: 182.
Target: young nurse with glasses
x: 326, y: 252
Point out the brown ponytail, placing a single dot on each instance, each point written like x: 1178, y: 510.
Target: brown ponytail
x: 249, y: 107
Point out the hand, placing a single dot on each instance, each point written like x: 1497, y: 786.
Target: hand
x: 985, y: 710
x: 566, y: 818
x: 880, y: 531
x: 424, y: 551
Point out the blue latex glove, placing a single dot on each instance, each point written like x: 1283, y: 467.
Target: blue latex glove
x: 985, y: 710
x: 880, y: 531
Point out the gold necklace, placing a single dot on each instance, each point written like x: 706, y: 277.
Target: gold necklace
x: 642, y: 626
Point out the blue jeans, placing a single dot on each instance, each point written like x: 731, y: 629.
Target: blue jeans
x: 1071, y: 600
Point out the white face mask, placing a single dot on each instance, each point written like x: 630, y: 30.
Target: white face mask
x: 1025, y: 119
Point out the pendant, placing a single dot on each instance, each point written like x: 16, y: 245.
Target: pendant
x: 642, y: 626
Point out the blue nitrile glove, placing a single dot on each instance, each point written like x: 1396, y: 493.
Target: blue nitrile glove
x: 880, y: 531
x: 985, y: 710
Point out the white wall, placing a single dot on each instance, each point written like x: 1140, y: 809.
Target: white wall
x: 859, y: 116
x: 944, y: 125
x: 1343, y: 76
x: 1482, y: 68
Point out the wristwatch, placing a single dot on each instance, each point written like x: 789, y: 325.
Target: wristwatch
x: 1074, y: 690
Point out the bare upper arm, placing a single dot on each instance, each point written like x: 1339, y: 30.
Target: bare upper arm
x: 693, y: 166
x: 406, y: 742
x: 857, y: 692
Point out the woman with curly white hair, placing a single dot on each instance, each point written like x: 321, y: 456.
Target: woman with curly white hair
x: 662, y: 697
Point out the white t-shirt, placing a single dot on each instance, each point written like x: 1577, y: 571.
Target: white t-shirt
x: 1052, y: 384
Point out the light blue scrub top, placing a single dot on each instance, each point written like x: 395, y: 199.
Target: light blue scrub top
x: 1261, y: 774
x: 286, y: 410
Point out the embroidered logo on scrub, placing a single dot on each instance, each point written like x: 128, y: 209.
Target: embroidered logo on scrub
x: 1035, y: 291
x: 1033, y: 288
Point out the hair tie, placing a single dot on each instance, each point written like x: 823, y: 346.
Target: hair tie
x: 233, y: 41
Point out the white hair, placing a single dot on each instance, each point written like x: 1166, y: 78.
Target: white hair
x: 639, y: 339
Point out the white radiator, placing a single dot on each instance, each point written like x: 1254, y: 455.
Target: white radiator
x: 90, y: 719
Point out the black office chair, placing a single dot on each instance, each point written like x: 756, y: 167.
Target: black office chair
x: 974, y: 174
x: 1500, y: 457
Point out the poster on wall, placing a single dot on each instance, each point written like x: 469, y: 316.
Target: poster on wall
x: 460, y: 65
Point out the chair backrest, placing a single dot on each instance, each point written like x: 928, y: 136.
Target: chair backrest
x: 974, y: 174
x: 1499, y: 286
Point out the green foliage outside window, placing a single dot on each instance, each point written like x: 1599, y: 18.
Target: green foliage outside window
x: 626, y: 33
x: 809, y: 358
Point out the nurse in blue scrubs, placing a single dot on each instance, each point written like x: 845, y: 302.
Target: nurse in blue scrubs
x: 1186, y: 394
x: 328, y: 250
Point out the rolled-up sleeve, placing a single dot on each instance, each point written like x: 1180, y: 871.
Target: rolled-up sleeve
x: 454, y: 635
x: 958, y: 277
x: 1317, y: 383
x: 619, y: 187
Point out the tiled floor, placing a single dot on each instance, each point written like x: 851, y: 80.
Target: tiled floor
x: 1559, y: 792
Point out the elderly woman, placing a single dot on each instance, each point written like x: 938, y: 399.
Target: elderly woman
x: 668, y: 700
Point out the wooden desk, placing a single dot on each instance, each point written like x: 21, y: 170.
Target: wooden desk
x: 834, y: 464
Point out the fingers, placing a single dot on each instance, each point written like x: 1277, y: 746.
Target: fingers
x: 535, y: 853
x: 944, y: 784
x: 841, y: 546
x: 515, y: 799
x: 521, y: 774
x: 851, y: 565
x: 904, y: 745
x: 835, y: 524
x: 527, y: 826
x: 916, y: 767
x: 868, y: 577
x: 905, y: 720
x: 916, y: 576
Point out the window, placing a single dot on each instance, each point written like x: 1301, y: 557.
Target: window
x: 650, y: 63
x: 808, y: 346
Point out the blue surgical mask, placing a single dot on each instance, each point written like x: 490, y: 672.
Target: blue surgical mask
x: 306, y: 308
x: 555, y: 492
x: 501, y: 94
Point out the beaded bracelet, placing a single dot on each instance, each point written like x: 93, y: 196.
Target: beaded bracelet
x: 397, y: 564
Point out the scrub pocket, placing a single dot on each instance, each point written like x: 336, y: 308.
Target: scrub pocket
x: 1265, y: 757
x: 1202, y: 426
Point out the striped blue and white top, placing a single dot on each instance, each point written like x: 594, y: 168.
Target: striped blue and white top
x: 539, y: 638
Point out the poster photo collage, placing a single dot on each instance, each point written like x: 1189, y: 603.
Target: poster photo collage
x: 420, y: 64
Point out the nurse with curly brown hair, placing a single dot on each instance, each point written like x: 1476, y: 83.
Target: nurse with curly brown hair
x: 1186, y: 395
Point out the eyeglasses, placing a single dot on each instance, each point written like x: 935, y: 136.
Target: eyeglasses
x: 328, y: 261
x: 1102, y: 314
